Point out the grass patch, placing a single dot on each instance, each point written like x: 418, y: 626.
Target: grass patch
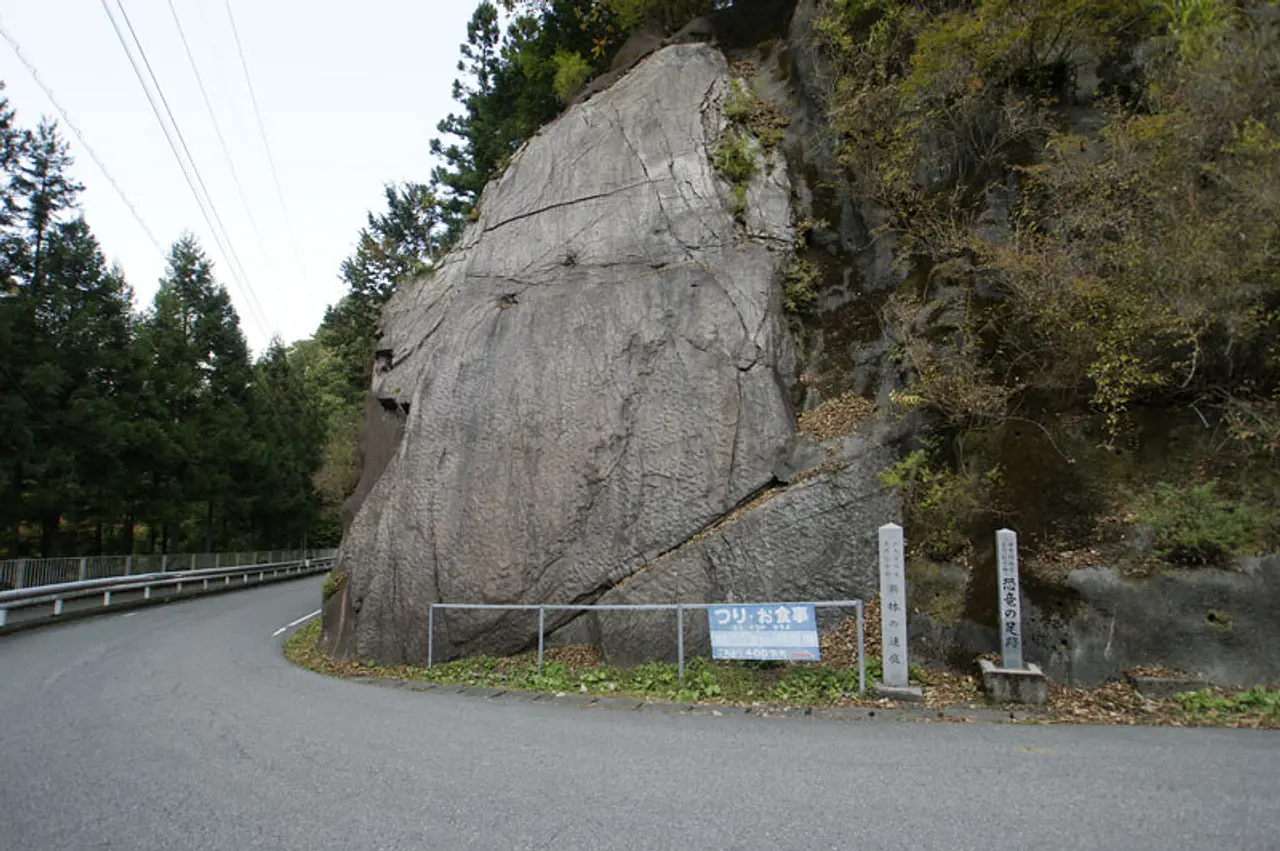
x: 705, y: 681
x: 773, y: 684
x: 1258, y: 706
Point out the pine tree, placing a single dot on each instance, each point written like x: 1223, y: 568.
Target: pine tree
x: 200, y: 377
x: 508, y: 90
x: 48, y: 261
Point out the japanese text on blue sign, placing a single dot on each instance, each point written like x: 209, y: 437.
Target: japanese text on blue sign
x: 784, y: 632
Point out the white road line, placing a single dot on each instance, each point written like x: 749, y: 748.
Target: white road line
x: 304, y: 619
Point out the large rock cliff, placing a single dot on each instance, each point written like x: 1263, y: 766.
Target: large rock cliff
x: 592, y: 383
x: 591, y: 400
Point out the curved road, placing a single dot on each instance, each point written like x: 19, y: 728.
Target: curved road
x: 182, y: 727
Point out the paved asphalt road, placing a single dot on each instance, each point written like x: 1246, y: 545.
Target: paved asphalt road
x: 181, y: 727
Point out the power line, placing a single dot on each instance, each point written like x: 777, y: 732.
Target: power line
x: 80, y: 137
x: 262, y: 130
x: 217, y: 129
x: 230, y: 250
x: 232, y: 259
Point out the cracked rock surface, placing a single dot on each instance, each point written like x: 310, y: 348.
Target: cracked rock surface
x: 600, y: 371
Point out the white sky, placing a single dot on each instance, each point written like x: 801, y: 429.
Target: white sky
x: 350, y: 94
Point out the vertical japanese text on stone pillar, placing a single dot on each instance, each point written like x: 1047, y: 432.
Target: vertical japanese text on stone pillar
x: 1010, y: 603
x: 893, y: 606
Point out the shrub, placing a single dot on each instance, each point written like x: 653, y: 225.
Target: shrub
x: 572, y: 73
x: 669, y: 14
x: 941, y: 503
x: 736, y: 160
x: 800, y: 292
x: 1138, y: 265
x: 1196, y: 525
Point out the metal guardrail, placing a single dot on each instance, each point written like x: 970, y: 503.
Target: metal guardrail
x: 29, y: 572
x: 678, y: 608
x: 57, y: 594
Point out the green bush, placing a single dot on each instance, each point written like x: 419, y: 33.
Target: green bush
x: 572, y: 73
x: 740, y: 107
x: 1209, y: 705
x: 736, y: 160
x: 940, y: 503
x: 1196, y: 525
x: 800, y: 292
x: 669, y: 14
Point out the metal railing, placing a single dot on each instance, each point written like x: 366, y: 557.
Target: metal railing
x: 56, y: 595
x: 678, y: 608
x: 32, y: 572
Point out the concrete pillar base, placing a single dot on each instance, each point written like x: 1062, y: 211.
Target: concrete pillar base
x: 910, y: 694
x: 1014, y: 685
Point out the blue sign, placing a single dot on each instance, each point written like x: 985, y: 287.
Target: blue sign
x: 784, y: 632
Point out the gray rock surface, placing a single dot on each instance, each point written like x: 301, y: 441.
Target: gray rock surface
x: 1219, y: 624
x: 815, y: 540
x: 1214, y: 624
x: 600, y: 371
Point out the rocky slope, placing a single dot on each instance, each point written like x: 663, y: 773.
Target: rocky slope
x: 593, y: 399
x: 600, y: 372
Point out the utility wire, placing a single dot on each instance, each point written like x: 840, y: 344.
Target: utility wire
x: 182, y: 164
x: 234, y: 258
x: 80, y: 137
x: 262, y: 130
x: 217, y: 129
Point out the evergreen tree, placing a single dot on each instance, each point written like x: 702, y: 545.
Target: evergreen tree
x: 509, y: 90
x: 49, y: 264
x: 200, y: 376
x: 289, y: 431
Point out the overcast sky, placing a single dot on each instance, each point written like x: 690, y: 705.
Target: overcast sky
x: 350, y: 94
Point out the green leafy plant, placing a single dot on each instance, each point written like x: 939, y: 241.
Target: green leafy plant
x: 815, y: 685
x: 1197, y: 525
x: 669, y: 14
x: 701, y: 682
x: 735, y: 158
x: 740, y: 105
x: 572, y: 73
x: 800, y: 292
x: 1258, y: 703
x: 940, y: 502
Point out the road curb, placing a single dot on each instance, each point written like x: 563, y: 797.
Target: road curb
x: 846, y: 714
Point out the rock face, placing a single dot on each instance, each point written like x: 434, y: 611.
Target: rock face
x: 601, y: 371
x: 1218, y: 624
